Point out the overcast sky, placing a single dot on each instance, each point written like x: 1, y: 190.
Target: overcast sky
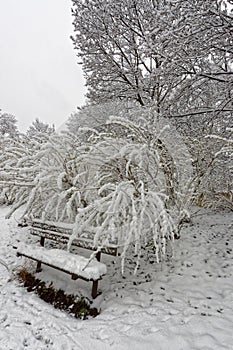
x: 39, y: 74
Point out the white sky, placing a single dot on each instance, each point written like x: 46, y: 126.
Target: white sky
x: 39, y: 74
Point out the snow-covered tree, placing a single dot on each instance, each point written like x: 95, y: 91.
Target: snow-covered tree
x: 8, y: 127
x: 165, y: 53
x: 15, y: 174
x: 173, y: 56
x: 18, y: 157
x: 39, y: 131
x: 94, y: 115
x: 43, y: 176
x: 59, y: 187
x: 216, y: 187
x: 132, y: 200
x: 126, y: 48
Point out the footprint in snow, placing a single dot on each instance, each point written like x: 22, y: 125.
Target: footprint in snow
x: 102, y: 335
x: 3, y: 318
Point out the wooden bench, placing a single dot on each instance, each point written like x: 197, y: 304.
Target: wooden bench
x: 75, y: 265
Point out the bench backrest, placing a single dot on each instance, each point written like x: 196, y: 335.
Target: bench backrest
x: 61, y: 232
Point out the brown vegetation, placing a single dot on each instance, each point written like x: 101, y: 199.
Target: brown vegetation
x: 79, y: 308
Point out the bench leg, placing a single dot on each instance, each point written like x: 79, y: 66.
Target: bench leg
x: 38, y: 267
x: 42, y: 241
x: 98, y: 256
x: 94, y: 289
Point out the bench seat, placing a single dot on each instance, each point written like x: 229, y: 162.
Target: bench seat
x: 75, y: 265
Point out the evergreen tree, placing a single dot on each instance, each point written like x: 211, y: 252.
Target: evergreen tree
x: 39, y: 131
x: 8, y: 125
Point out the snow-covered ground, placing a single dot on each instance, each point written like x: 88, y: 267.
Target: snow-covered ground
x: 184, y: 304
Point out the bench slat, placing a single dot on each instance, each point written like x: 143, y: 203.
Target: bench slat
x: 56, y: 227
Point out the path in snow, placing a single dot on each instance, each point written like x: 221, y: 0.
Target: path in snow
x: 186, y: 303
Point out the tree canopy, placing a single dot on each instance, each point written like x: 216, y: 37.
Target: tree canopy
x: 176, y: 55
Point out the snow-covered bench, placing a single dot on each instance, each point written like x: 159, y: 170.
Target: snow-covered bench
x: 75, y: 265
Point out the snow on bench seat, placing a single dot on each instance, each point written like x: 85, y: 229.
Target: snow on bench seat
x: 65, y: 261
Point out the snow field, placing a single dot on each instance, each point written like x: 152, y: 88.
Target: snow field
x: 182, y: 304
